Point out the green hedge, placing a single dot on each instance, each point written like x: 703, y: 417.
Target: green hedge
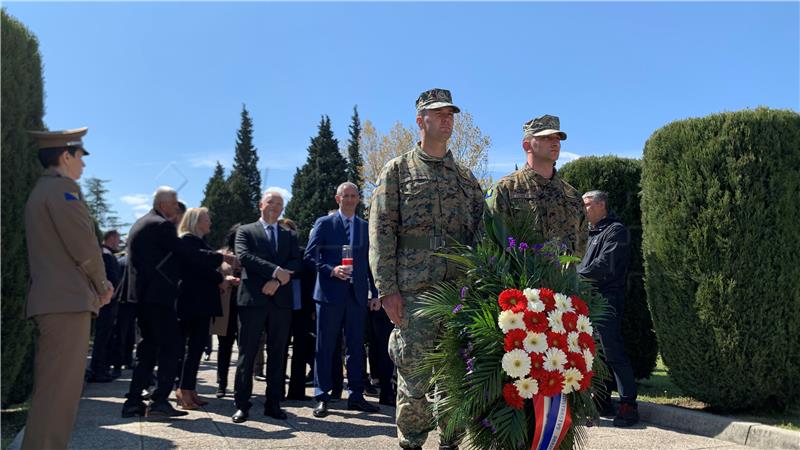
x: 721, y: 215
x: 23, y: 108
x: 619, y: 177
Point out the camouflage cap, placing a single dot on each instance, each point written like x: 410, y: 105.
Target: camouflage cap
x: 543, y: 126
x: 434, y: 99
x: 60, y: 139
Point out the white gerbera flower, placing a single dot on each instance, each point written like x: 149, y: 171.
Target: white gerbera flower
x: 535, y: 305
x: 527, y: 387
x: 572, y: 342
x: 535, y: 342
x: 563, y: 303
x: 509, y: 320
x: 555, y: 359
x: 589, y: 358
x: 517, y: 363
x: 572, y: 380
x: 585, y: 325
x: 554, y: 320
x: 531, y: 294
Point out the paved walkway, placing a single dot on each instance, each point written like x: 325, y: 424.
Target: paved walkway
x: 100, y: 426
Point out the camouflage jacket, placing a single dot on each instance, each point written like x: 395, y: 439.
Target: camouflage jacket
x: 419, y: 205
x: 555, y: 207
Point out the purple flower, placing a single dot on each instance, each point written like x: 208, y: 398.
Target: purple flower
x: 464, y: 291
x: 470, y: 364
x: 538, y: 247
x: 457, y: 308
x: 512, y: 242
x: 488, y: 424
x: 523, y: 246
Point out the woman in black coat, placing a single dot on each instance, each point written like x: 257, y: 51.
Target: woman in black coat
x: 198, y: 302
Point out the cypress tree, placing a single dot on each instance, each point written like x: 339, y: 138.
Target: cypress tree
x: 244, y: 184
x: 23, y: 109
x: 216, y: 198
x: 314, y: 184
x: 355, y: 163
x: 95, y: 196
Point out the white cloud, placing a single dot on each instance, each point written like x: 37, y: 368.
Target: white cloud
x: 566, y: 157
x: 210, y: 159
x: 136, y: 200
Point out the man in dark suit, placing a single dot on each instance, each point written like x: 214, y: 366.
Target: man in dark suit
x: 104, y: 324
x: 269, y: 255
x: 341, y: 296
x: 154, y: 265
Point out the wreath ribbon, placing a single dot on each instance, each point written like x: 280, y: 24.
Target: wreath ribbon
x: 552, y: 417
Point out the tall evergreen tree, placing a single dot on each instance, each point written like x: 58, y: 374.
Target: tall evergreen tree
x: 355, y: 163
x: 244, y: 184
x: 95, y: 193
x: 314, y: 185
x: 217, y: 199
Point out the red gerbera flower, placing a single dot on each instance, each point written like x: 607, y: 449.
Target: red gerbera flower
x: 577, y: 361
x: 557, y: 340
x: 535, y: 321
x: 570, y: 321
x: 580, y: 306
x: 585, y: 341
x: 551, y: 383
x: 512, y: 299
x: 586, y: 382
x: 537, y: 366
x: 515, y: 339
x: 547, y: 297
x: 512, y: 397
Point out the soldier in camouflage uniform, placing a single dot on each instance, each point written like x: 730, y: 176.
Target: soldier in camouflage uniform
x: 423, y: 201
x: 537, y: 193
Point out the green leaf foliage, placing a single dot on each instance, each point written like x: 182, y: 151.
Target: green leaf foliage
x: 619, y: 178
x: 217, y: 199
x: 23, y: 109
x: 720, y: 211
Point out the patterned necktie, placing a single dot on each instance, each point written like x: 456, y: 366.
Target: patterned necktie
x: 272, y: 241
x: 347, y: 230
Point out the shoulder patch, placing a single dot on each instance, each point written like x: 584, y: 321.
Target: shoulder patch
x: 68, y: 196
x: 490, y: 192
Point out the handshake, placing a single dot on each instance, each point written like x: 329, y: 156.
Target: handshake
x: 282, y: 276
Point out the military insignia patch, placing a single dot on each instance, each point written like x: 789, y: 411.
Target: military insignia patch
x: 71, y: 196
x: 489, y: 193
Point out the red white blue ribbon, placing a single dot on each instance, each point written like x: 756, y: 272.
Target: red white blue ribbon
x: 553, y: 420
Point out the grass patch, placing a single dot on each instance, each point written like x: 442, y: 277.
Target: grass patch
x: 13, y: 419
x: 660, y: 389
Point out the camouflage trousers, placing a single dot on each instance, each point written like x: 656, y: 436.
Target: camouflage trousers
x: 407, y: 345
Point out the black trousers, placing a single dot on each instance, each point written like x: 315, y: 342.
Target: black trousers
x: 381, y: 365
x: 103, y: 331
x: 302, y: 352
x: 614, y: 349
x: 194, y: 331
x: 252, y: 321
x: 124, y: 336
x: 161, y: 343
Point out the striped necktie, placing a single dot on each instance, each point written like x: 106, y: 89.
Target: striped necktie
x: 347, y: 230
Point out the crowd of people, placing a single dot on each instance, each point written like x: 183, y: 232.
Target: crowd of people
x: 349, y: 292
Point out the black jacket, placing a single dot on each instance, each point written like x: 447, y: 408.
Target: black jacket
x: 605, y: 263
x: 154, y: 260
x: 259, y: 261
x: 199, y: 293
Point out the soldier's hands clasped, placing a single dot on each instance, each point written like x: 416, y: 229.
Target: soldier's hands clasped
x: 394, y: 305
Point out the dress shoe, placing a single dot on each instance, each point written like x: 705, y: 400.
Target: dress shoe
x: 146, y: 394
x: 388, y: 401
x: 134, y: 408
x: 321, y: 410
x: 370, y: 390
x: 259, y: 377
x: 163, y: 410
x: 116, y: 372
x: 359, y: 404
x: 274, y: 410
x: 240, y: 416
x: 627, y: 415
x: 221, y: 392
x: 336, y: 395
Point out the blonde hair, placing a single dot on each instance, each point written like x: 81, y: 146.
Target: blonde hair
x: 189, y: 222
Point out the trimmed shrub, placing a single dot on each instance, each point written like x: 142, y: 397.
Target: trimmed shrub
x: 619, y: 177
x: 721, y: 207
x: 23, y: 109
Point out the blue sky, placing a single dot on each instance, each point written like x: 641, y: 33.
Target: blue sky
x: 161, y: 85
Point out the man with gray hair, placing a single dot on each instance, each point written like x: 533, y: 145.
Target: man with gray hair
x: 605, y: 265
x: 155, y: 254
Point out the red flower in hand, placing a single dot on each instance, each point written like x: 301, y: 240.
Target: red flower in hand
x: 577, y: 361
x: 585, y: 341
x: 551, y: 383
x: 557, y: 340
x: 570, y: 321
x: 515, y: 339
x: 580, y: 306
x: 512, y: 299
x: 535, y: 321
x: 547, y: 296
x: 511, y: 395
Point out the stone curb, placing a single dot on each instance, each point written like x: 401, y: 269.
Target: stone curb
x: 751, y: 434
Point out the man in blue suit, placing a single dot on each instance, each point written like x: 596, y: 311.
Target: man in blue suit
x: 341, y: 297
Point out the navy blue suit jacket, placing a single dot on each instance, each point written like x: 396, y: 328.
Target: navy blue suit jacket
x: 324, y: 251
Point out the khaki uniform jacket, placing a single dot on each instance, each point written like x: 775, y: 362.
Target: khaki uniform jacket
x: 219, y: 325
x: 66, y: 265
